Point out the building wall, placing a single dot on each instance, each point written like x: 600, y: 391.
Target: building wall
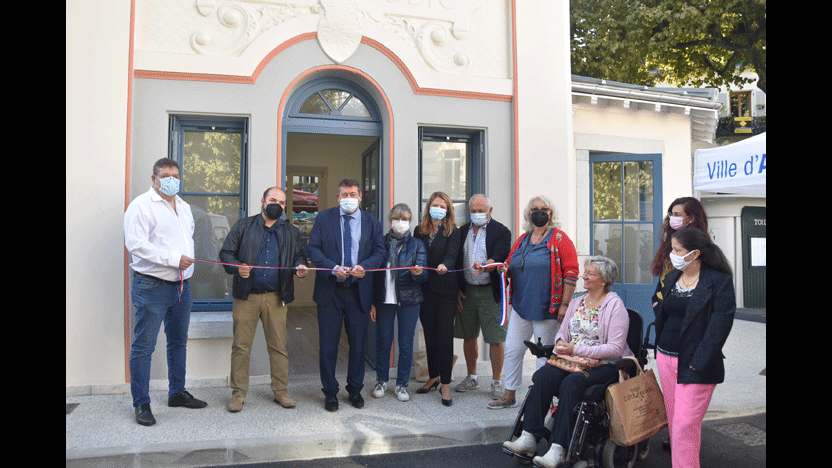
x: 97, y: 72
x: 262, y: 102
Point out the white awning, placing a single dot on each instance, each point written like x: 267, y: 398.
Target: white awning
x: 736, y: 168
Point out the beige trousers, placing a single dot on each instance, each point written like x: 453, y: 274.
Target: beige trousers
x: 246, y: 313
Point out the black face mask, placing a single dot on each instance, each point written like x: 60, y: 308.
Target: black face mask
x: 540, y: 218
x: 274, y: 210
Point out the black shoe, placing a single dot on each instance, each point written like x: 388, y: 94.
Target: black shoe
x: 445, y: 402
x: 357, y: 400
x: 425, y: 390
x: 331, y: 402
x: 144, y: 416
x: 187, y: 400
x: 666, y: 444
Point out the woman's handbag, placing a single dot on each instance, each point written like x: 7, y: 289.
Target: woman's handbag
x: 573, y: 363
x: 636, y: 408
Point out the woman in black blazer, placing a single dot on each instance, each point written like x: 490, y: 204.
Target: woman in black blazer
x: 692, y: 323
x: 441, y: 238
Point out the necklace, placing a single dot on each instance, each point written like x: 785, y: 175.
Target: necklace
x: 687, y: 285
x: 539, y: 238
x: 597, y: 303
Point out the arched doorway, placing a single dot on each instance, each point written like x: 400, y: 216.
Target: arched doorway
x: 331, y: 129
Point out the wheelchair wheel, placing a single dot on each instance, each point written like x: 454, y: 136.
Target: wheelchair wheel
x: 643, y: 449
x: 616, y: 456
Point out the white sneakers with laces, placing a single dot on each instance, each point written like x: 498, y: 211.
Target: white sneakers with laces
x: 379, y: 390
x: 401, y: 393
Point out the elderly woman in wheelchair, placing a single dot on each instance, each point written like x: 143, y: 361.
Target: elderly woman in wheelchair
x: 593, y: 333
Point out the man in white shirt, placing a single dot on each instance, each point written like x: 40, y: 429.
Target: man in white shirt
x: 158, y: 233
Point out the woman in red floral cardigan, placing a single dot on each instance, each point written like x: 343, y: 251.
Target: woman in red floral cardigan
x: 542, y: 271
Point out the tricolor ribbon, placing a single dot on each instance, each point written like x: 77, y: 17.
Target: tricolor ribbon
x: 504, y: 298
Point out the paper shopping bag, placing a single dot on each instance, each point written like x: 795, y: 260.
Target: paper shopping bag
x: 636, y: 409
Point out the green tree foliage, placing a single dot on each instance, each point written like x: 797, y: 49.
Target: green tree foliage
x: 686, y: 42
x: 212, y: 165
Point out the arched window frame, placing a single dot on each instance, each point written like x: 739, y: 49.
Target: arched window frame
x: 327, y: 123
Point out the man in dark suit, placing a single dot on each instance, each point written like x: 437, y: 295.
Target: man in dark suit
x: 484, y: 241
x: 348, y: 241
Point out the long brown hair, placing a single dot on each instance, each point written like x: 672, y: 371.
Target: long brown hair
x: 448, y: 223
x: 693, y: 209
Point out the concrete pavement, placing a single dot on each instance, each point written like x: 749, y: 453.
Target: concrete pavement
x: 101, y: 430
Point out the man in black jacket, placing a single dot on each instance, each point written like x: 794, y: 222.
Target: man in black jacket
x: 264, y: 240
x: 484, y: 241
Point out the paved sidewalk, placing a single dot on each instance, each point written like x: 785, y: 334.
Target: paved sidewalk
x: 101, y: 430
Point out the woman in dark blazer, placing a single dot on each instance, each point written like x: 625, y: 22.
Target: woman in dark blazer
x: 692, y: 323
x: 441, y: 237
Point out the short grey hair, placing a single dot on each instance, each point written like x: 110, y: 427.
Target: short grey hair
x: 606, y: 268
x: 398, y: 210
x: 527, y: 214
x: 480, y: 195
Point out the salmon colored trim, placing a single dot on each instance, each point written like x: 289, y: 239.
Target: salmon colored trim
x: 161, y: 75
x: 128, y: 155
x: 324, y: 68
x: 515, y: 111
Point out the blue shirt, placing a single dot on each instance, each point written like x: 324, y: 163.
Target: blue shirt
x: 267, y: 278
x: 355, y: 230
x: 533, y: 284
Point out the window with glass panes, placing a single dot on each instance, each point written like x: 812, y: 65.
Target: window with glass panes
x: 625, y: 212
x: 451, y: 160
x: 211, y: 152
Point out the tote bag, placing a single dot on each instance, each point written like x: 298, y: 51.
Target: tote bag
x: 636, y: 408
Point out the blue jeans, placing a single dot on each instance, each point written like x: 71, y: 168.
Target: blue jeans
x: 385, y: 316
x: 156, y: 302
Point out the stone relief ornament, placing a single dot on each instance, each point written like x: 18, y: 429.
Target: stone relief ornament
x: 339, y: 30
x: 435, y: 28
x: 430, y: 40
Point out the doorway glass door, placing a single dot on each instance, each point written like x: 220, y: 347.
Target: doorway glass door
x: 626, y: 219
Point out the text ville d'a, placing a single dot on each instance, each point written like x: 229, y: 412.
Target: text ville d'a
x: 755, y: 164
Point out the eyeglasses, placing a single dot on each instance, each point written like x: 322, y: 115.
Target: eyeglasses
x: 400, y: 219
x: 534, y: 210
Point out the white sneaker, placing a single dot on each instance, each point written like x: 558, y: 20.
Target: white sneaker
x: 553, y: 458
x: 379, y: 389
x: 524, y: 445
x: 401, y: 393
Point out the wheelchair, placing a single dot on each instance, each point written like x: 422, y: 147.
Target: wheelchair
x: 590, y: 444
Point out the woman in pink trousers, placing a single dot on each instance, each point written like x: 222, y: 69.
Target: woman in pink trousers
x: 693, y: 321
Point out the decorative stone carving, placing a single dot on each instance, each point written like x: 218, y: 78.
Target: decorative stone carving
x: 339, y: 31
x: 436, y: 28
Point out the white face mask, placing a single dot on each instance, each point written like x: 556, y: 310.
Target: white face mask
x: 479, y: 218
x: 349, y: 205
x: 400, y: 227
x: 679, y: 262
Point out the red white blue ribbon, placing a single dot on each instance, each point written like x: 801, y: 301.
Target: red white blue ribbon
x: 504, y: 298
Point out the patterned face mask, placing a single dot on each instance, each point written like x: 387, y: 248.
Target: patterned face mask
x: 169, y: 186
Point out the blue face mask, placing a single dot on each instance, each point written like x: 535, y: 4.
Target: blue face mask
x: 479, y: 218
x: 437, y: 213
x: 169, y: 186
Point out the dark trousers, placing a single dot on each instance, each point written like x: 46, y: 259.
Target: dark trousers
x: 343, y: 311
x: 550, y: 381
x: 437, y: 317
